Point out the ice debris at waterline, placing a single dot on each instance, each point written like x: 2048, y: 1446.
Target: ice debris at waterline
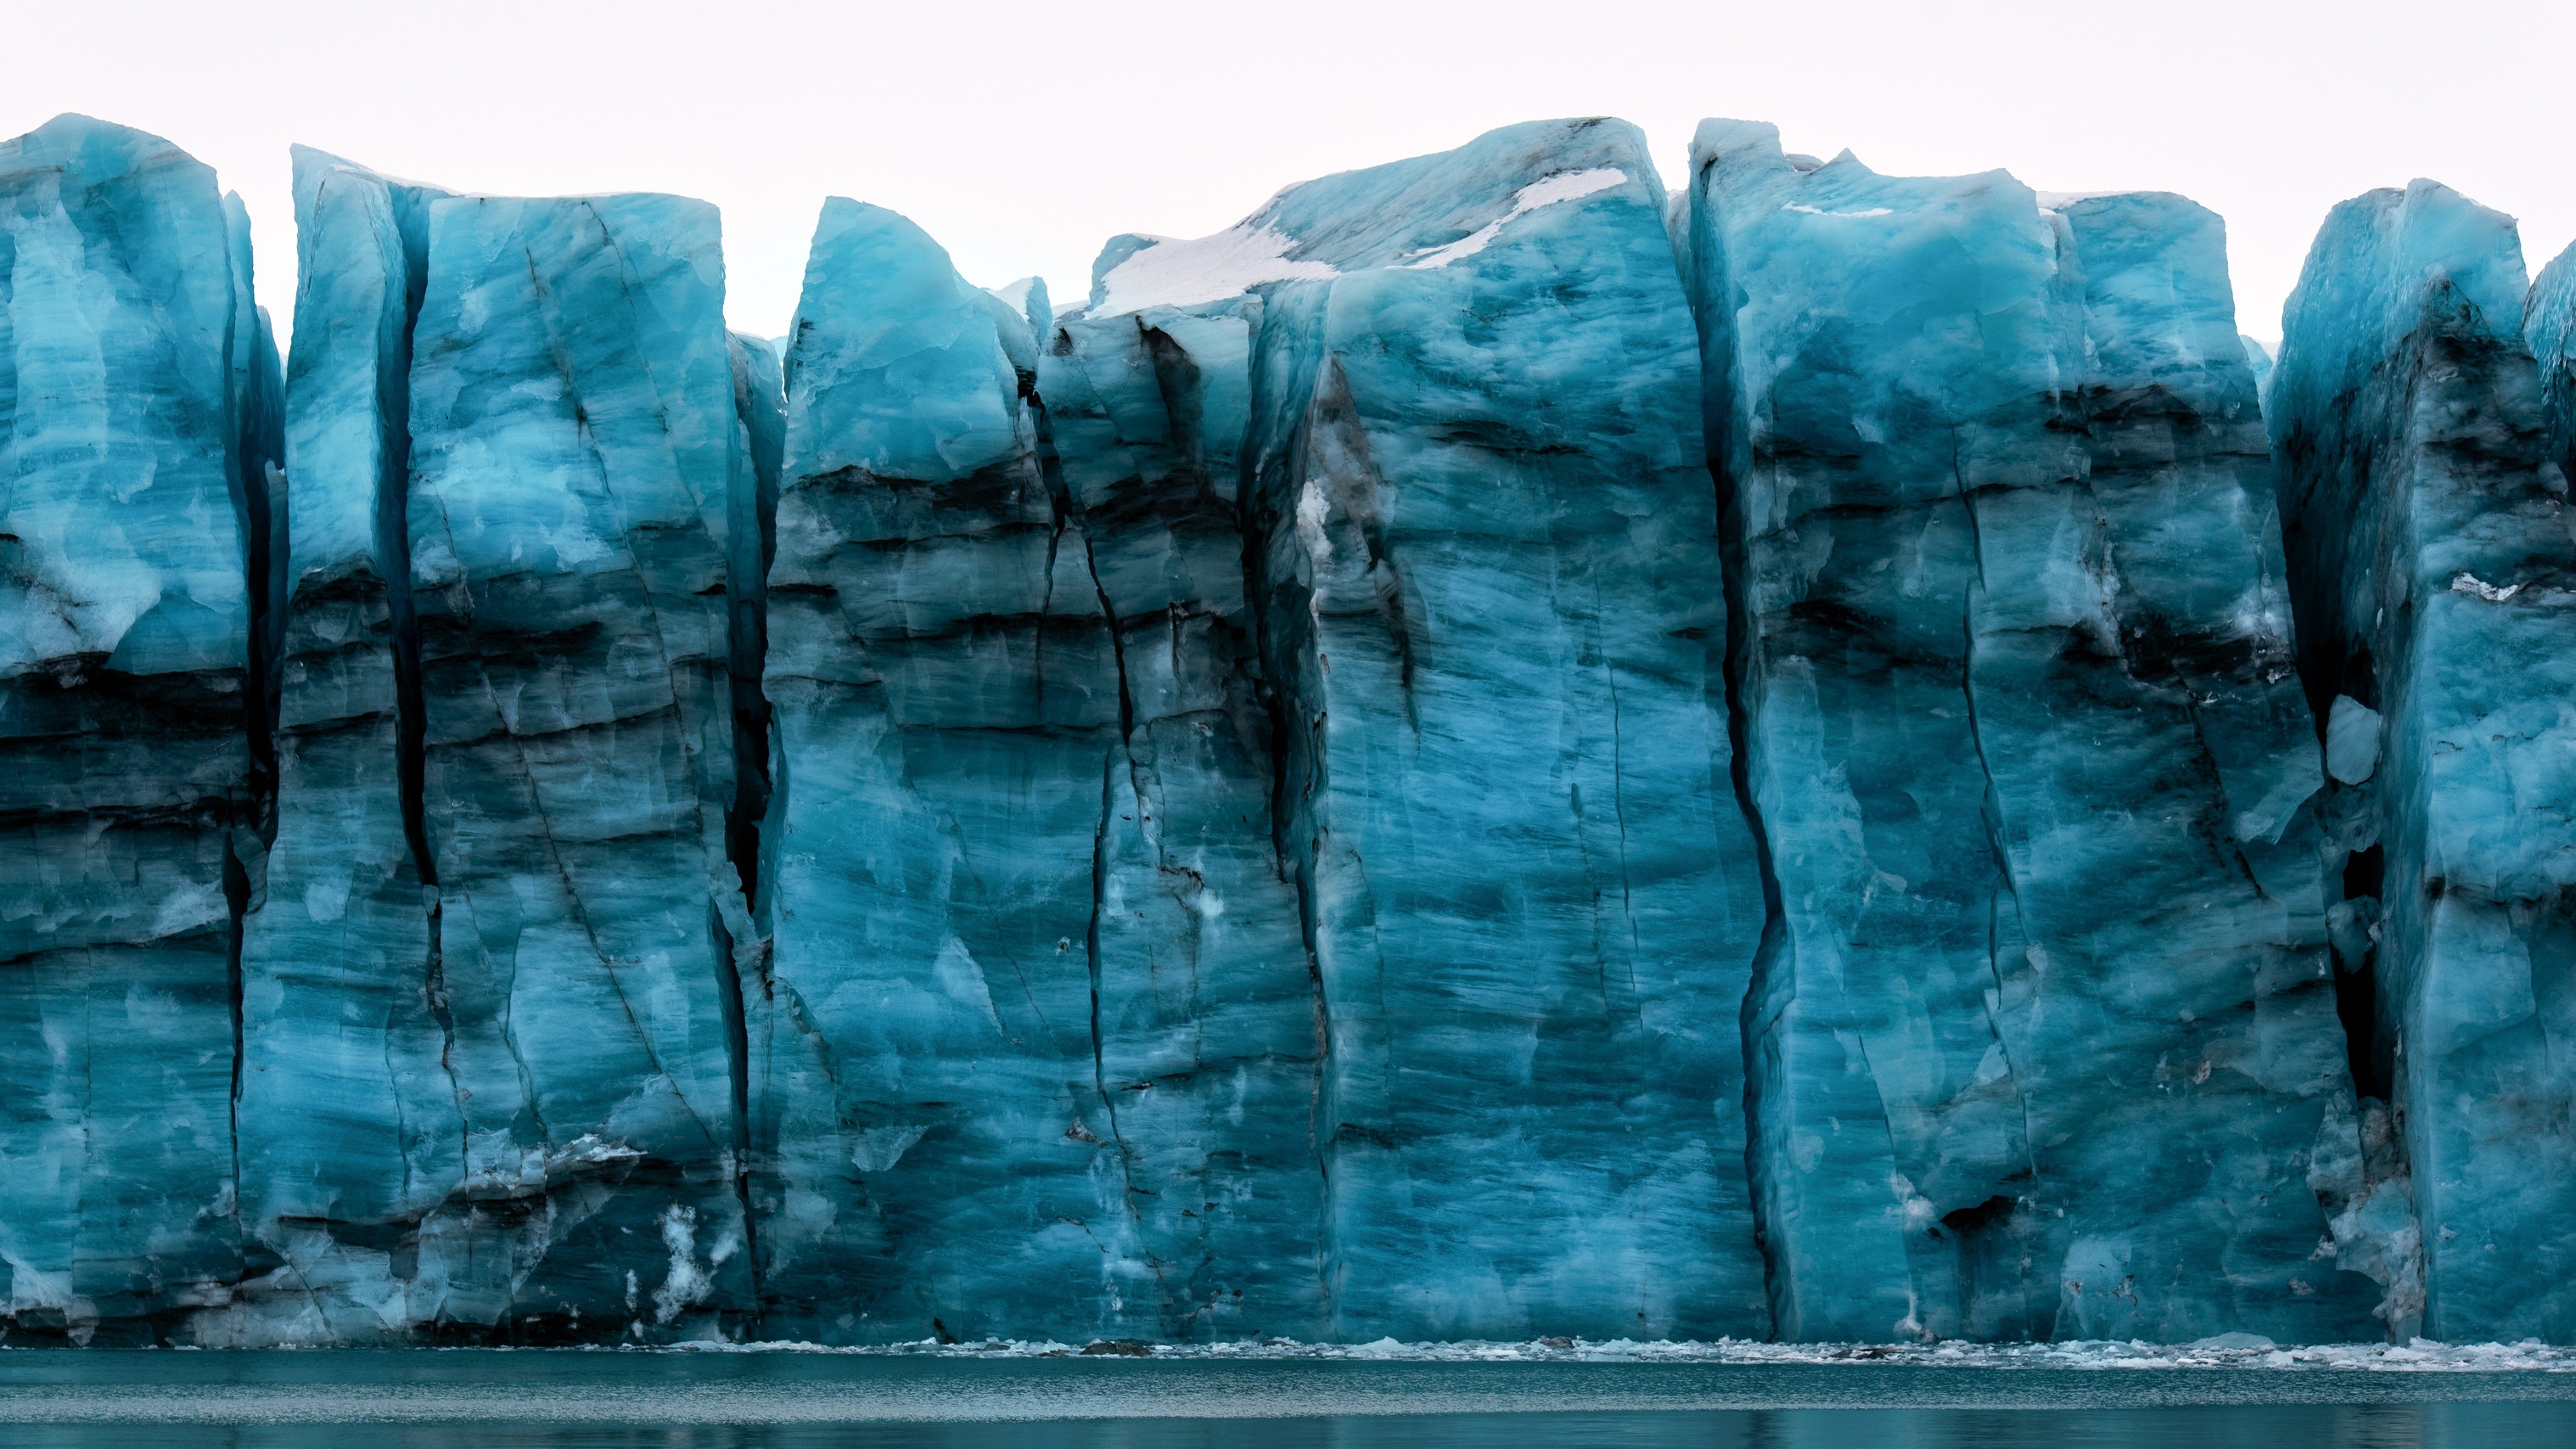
x: 2219, y: 1351
x: 1491, y: 755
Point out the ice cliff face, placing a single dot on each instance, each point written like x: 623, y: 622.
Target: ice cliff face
x: 492, y: 1062
x: 1485, y: 563
x: 137, y: 434
x: 2030, y: 759
x: 945, y: 691
x: 2423, y: 502
x: 1486, y: 753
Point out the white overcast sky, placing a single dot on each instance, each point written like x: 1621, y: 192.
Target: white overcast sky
x: 1022, y: 135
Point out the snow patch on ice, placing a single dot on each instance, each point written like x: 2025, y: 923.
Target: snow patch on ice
x: 1546, y: 191
x: 1015, y: 294
x: 1173, y: 273
x: 1819, y: 211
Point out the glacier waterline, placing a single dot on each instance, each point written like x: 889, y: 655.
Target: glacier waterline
x: 1286, y: 798
x: 586, y: 1396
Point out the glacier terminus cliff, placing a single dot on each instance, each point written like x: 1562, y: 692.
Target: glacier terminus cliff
x: 1510, y: 747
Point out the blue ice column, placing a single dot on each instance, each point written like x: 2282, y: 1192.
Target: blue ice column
x: 1208, y: 1050
x: 350, y: 1128
x: 577, y: 447
x: 1485, y: 579
x: 939, y: 1148
x: 2425, y: 522
x: 133, y: 469
x: 2044, y: 1041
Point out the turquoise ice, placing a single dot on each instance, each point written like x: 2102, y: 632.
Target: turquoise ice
x: 1486, y: 565
x: 137, y: 430
x: 2044, y: 1041
x: 1490, y: 752
x: 945, y: 692
x: 2423, y: 504
x: 348, y: 1132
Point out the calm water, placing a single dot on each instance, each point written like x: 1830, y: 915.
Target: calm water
x: 442, y: 1400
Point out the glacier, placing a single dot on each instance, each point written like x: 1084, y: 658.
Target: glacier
x: 1485, y: 563
x: 2031, y: 762
x: 1494, y: 753
x: 138, y: 395
x: 2424, y: 507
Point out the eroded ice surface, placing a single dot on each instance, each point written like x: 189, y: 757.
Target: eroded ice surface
x: 2425, y: 521
x: 1271, y: 811
x: 137, y: 428
x: 2045, y: 1044
x: 1485, y: 570
x: 576, y: 443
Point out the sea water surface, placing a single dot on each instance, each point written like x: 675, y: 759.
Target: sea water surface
x: 1018, y: 1396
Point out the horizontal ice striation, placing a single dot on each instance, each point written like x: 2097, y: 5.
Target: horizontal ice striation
x: 577, y: 443
x: 2425, y: 517
x: 349, y: 1135
x: 939, y: 1154
x: 1485, y: 568
x: 2045, y: 1039
x: 135, y: 440
x: 1205, y: 1010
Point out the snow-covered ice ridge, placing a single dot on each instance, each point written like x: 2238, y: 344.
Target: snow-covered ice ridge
x: 1493, y: 756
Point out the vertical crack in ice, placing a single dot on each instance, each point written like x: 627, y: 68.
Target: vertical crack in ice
x: 236, y: 884
x: 393, y: 565
x: 1619, y: 804
x: 1772, y: 982
x: 253, y: 444
x: 1068, y: 516
x: 550, y: 311
x: 2010, y: 888
x: 1265, y: 466
x: 1993, y: 813
x: 746, y: 657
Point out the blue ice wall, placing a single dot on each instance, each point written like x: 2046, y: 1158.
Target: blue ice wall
x: 1206, y: 1004
x: 576, y: 442
x: 348, y: 1126
x: 2425, y: 520
x: 1486, y: 572
x: 2045, y: 1041
x: 945, y: 690
x: 133, y: 457
x: 1489, y: 752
